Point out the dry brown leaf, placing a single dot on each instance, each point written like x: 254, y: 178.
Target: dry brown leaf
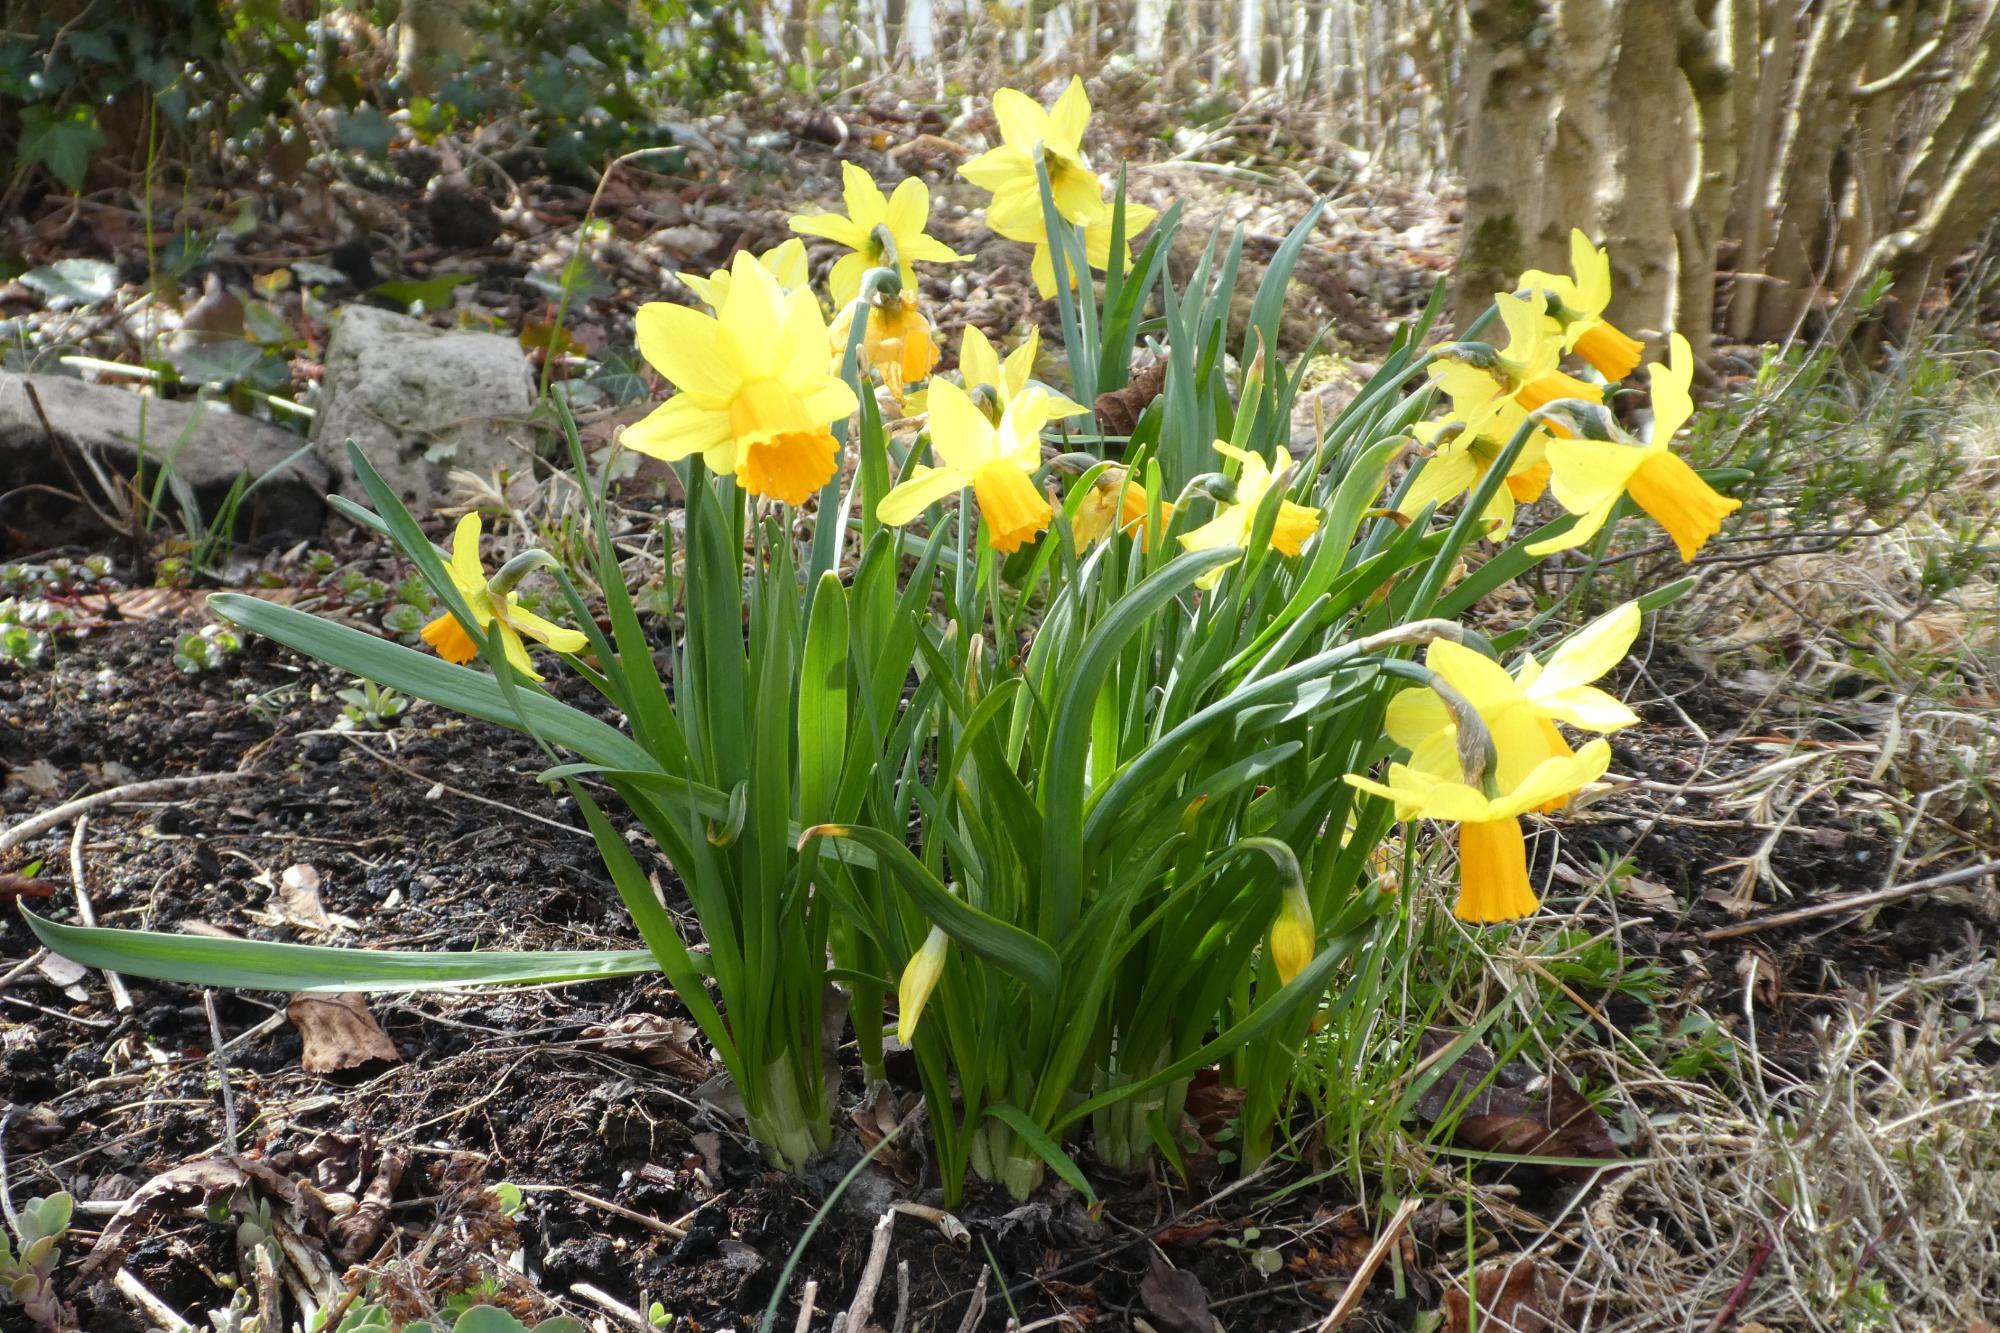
x: 664, y: 1043
x: 1514, y: 1110
x: 1524, y: 1297
x: 339, y: 1033
x: 13, y: 886
x: 1175, y: 1299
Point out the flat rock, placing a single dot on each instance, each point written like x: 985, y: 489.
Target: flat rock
x: 421, y: 402
x: 210, y: 446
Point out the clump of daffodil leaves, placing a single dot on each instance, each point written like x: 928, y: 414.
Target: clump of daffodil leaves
x: 1070, y: 762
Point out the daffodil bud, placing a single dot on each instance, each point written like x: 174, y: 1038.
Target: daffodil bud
x: 506, y: 578
x: 1477, y: 758
x: 1478, y: 355
x: 920, y: 977
x: 1584, y: 419
x: 1293, y: 936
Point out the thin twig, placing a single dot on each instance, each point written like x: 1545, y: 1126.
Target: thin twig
x: 155, y: 1309
x: 221, y: 1064
x: 861, y: 1313
x: 653, y: 1224
x: 1852, y: 903
x: 605, y: 1300
x: 808, y: 1300
x: 121, y: 998
x: 22, y: 968
x: 975, y: 1309
x: 151, y: 789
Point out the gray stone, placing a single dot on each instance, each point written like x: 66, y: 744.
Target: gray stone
x: 210, y: 447
x: 421, y: 402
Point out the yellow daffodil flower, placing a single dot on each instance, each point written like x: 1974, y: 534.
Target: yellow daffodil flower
x: 493, y: 610
x: 1588, y: 476
x: 1492, y: 854
x: 1583, y: 299
x: 1113, y: 498
x: 1460, y: 460
x: 1009, y: 170
x: 919, y: 979
x: 785, y: 261
x: 997, y: 460
x: 1294, y: 939
x: 756, y: 396
x: 1233, y: 520
x: 882, y: 233
x: 1519, y: 710
x: 897, y: 341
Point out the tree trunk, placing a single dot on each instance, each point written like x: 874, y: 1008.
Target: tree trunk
x: 1713, y: 38
x: 1642, y: 182
x: 1508, y: 102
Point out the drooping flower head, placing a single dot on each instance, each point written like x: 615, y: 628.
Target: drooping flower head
x: 1235, y: 519
x: 1293, y: 936
x: 1522, y: 762
x: 1579, y: 305
x: 897, y: 340
x: 996, y: 459
x: 1096, y: 245
x: 1115, y: 499
x: 881, y: 232
x: 757, y: 399
x: 785, y: 261
x: 1588, y: 476
x: 495, y: 608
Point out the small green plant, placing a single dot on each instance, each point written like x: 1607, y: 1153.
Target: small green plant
x: 477, y: 1319
x: 28, y: 1266
x: 372, y: 707
x: 199, y: 652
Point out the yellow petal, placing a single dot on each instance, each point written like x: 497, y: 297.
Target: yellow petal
x: 450, y: 640
x: 1070, y: 116
x: 909, y: 209
x: 832, y: 226
x: 1586, y: 526
x: 466, y: 571
x: 562, y: 639
x: 1586, y: 473
x: 961, y: 436
x: 1672, y: 405
x: 1414, y: 715
x: 784, y: 454
x: 978, y: 363
x: 1293, y: 936
x: 843, y: 281
x: 1605, y: 346
x: 682, y: 425
x: 1483, y: 681
x: 1554, y: 778
x: 752, y: 318
x: 1592, y: 651
x: 863, y: 196
x: 1295, y: 523
x: 684, y: 344
x: 924, y: 487
x: 1587, y: 707
x: 1023, y: 123
x: 1592, y: 266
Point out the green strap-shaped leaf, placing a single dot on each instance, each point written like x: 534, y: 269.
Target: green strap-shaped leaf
x: 199, y: 960
x: 1007, y: 947
x: 1044, y: 1147
x: 460, y: 689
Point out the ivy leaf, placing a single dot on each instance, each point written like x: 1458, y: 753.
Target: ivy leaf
x: 367, y: 130
x: 73, y: 282
x: 61, y: 142
x: 430, y: 293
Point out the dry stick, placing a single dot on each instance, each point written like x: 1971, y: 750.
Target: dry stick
x: 1854, y: 903
x: 807, y: 1300
x: 121, y: 999
x: 148, y: 1304
x: 598, y: 1296
x: 860, y: 1315
x: 221, y: 1063
x: 975, y: 1309
x: 1363, y: 1275
x: 22, y: 968
x: 151, y: 789
x: 652, y: 1224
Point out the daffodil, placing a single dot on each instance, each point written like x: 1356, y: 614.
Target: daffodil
x: 1519, y: 710
x: 785, y: 261
x: 757, y: 399
x: 1233, y: 520
x: 882, y: 233
x: 1491, y: 395
x: 495, y: 608
x: 1588, y: 476
x: 897, y: 340
x: 996, y: 459
x: 1581, y: 302
x: 919, y: 979
x: 1009, y: 170
x: 1492, y: 853
x: 1293, y: 938
x: 1113, y: 499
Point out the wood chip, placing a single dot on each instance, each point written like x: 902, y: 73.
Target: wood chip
x: 298, y: 898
